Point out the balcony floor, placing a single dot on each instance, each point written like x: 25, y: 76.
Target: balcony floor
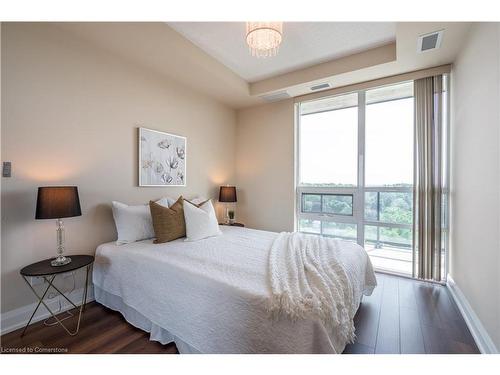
x: 391, y: 259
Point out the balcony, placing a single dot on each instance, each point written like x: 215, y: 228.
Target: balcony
x: 384, y: 226
x: 388, y: 230
x: 390, y: 258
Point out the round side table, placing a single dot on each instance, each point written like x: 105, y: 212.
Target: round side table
x: 48, y: 272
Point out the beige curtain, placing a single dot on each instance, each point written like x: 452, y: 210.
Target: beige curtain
x: 427, y: 194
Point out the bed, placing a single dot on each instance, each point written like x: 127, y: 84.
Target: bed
x: 209, y: 296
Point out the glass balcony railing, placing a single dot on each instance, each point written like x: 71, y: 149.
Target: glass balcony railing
x: 385, y: 223
x: 389, y: 236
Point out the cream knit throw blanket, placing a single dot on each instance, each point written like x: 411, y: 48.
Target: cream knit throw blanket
x: 309, y: 281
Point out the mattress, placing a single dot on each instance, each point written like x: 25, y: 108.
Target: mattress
x: 209, y: 296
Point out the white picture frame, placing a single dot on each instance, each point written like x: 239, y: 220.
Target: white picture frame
x: 162, y: 158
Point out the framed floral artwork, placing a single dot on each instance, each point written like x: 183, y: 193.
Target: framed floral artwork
x: 162, y: 158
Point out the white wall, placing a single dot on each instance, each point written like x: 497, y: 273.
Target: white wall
x: 265, y: 166
x: 475, y: 181
x: 69, y: 116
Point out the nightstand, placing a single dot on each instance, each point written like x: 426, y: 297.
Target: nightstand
x: 233, y: 224
x: 48, y: 272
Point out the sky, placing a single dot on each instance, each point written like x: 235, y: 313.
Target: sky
x: 328, y: 145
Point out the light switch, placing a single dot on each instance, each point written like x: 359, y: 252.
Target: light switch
x: 7, y: 169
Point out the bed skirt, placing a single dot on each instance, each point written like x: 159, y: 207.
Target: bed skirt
x: 131, y: 315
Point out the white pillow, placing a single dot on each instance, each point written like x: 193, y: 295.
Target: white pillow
x: 168, y: 200
x: 134, y: 223
x: 201, y: 222
x: 198, y: 200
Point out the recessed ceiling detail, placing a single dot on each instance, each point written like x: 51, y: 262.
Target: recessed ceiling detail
x: 166, y: 53
x: 305, y: 44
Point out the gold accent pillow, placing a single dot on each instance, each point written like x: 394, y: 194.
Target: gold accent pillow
x: 168, y: 222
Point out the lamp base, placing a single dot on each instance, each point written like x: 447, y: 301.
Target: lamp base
x: 60, y: 261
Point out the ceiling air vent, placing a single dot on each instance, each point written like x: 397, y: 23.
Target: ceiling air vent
x: 429, y: 42
x: 275, y: 96
x: 321, y: 86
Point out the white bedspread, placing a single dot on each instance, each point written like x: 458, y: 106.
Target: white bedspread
x: 214, y: 293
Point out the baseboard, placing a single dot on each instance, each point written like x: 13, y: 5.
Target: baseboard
x: 481, y: 337
x: 17, y: 318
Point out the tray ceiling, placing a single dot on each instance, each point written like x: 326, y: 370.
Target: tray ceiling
x: 304, y: 44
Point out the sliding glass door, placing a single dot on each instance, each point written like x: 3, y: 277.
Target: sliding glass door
x: 355, y: 172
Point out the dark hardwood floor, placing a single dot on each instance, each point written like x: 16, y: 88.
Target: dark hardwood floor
x: 410, y: 317
x: 101, y: 331
x: 402, y: 316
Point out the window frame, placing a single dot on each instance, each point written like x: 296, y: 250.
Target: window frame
x: 358, y: 191
x: 355, y: 191
x: 323, y: 195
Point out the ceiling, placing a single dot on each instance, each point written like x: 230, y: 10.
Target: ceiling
x: 392, y: 59
x: 356, y: 56
x: 304, y: 44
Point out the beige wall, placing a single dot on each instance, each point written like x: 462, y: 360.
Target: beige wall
x: 265, y: 165
x: 70, y: 113
x: 475, y: 141
x: 265, y: 171
x: 69, y: 116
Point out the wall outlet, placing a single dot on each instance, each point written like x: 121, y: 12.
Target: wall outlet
x: 35, y: 280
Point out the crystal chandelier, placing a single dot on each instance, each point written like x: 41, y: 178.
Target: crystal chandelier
x: 264, y: 38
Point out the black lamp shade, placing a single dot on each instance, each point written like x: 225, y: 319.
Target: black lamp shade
x: 227, y: 194
x: 57, y: 202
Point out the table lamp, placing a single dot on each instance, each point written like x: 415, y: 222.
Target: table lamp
x: 227, y: 194
x: 58, y: 202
